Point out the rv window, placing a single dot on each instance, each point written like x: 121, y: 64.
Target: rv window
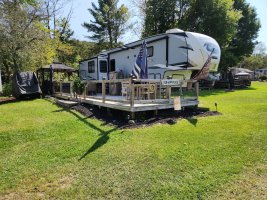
x: 150, y: 51
x: 91, y: 66
x: 103, y: 66
x: 112, y: 65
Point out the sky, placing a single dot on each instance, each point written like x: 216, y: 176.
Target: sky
x: 81, y: 15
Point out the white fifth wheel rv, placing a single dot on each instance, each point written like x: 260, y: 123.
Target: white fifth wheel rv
x: 176, y: 53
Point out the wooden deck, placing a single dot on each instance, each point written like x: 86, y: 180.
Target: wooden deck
x: 133, y: 102
x: 119, y: 103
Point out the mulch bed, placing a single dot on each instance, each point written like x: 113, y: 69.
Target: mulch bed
x: 7, y: 99
x: 121, y: 119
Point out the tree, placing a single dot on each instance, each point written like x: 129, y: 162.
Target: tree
x: 109, y: 22
x: 21, y: 34
x: 257, y: 60
x: 254, y: 62
x: 212, y: 17
x: 160, y: 15
x: 52, y: 19
x: 243, y: 43
x: 59, y: 28
x: 65, y: 32
x: 216, y: 18
x: 80, y: 50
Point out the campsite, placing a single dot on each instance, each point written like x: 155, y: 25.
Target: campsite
x: 52, y: 153
x: 123, y: 99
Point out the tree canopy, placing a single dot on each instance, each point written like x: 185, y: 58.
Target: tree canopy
x: 109, y: 22
x: 33, y: 34
x: 21, y: 35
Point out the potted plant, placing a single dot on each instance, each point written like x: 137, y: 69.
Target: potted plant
x: 78, y: 86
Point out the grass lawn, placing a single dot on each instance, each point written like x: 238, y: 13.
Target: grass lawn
x: 50, y: 153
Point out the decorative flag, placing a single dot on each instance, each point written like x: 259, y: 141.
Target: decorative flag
x: 204, y: 72
x: 140, y: 66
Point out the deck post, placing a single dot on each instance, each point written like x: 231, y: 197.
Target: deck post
x: 197, y: 89
x: 169, y: 89
x: 155, y: 92
x: 156, y: 112
x: 84, y: 92
x: 60, y: 87
x: 132, y: 115
x: 103, y: 91
x: 132, y: 95
x: 71, y: 89
x: 160, y: 89
x: 181, y: 89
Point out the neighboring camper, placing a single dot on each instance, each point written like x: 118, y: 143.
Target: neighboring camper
x: 261, y: 72
x: 176, y: 53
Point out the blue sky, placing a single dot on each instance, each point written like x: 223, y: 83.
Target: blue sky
x: 81, y: 14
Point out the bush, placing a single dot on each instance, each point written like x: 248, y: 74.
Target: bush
x: 263, y: 78
x: 78, y: 86
x: 7, y: 89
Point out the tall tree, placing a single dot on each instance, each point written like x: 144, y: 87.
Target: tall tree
x: 216, y: 18
x: 254, y: 62
x: 243, y: 43
x: 52, y: 17
x: 160, y: 15
x: 109, y: 22
x: 212, y: 17
x: 58, y: 28
x: 20, y: 33
x: 65, y: 32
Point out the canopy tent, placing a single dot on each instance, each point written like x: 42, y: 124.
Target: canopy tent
x: 57, y: 67
x: 25, y: 84
x: 45, y: 75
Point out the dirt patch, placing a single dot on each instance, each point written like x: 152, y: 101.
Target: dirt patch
x: 251, y: 184
x: 40, y: 191
x: 122, y: 120
x: 11, y: 195
x: 7, y: 99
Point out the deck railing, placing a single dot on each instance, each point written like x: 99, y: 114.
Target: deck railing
x: 135, y: 90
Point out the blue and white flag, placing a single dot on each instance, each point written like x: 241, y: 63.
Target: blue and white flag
x: 140, y: 66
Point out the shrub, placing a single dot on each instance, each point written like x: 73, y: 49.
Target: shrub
x: 7, y: 89
x: 78, y: 86
x: 263, y: 78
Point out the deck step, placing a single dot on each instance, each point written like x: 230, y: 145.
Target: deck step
x: 66, y: 103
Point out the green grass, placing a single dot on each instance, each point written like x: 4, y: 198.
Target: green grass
x: 47, y: 152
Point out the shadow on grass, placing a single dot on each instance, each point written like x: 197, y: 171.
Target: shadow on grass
x: 104, y: 135
x: 192, y: 121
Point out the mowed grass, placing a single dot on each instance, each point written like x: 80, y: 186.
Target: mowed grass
x: 50, y: 153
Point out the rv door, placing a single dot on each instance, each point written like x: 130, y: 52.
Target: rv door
x: 103, y: 68
x: 92, y: 69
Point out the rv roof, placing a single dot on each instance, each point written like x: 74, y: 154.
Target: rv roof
x: 137, y: 43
